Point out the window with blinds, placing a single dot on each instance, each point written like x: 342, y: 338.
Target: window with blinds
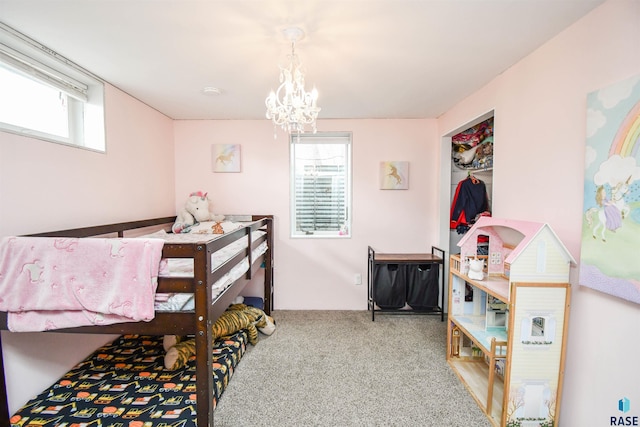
x: 46, y: 96
x: 321, y: 185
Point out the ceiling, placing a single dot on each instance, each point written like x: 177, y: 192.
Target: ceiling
x: 367, y: 58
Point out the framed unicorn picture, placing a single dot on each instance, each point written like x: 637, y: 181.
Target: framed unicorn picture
x: 394, y: 175
x: 225, y: 157
x: 611, y: 211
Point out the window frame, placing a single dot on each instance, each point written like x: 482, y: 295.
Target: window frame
x: 84, y: 91
x: 344, y: 138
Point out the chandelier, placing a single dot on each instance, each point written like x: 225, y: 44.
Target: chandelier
x: 291, y: 107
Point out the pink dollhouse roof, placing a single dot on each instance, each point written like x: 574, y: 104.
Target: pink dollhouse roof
x: 512, y: 232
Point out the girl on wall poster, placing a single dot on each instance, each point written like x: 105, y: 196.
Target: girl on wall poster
x: 611, y: 220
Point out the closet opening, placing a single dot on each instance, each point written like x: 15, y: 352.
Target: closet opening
x: 467, y: 154
x: 471, y: 178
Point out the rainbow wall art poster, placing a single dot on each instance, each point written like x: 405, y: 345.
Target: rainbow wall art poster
x: 611, y: 212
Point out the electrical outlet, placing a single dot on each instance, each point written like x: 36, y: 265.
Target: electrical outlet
x: 357, y: 279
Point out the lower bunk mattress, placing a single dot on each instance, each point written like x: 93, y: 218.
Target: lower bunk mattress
x: 125, y: 384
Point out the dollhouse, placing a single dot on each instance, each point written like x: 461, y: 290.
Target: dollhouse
x: 507, y: 325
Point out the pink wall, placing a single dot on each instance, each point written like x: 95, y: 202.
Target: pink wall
x: 540, y: 132
x: 319, y: 273
x: 46, y: 186
x: 56, y: 186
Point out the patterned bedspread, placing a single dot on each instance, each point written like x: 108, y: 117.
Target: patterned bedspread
x: 124, y: 384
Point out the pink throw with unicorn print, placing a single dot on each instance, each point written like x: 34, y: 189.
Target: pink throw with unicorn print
x: 54, y: 283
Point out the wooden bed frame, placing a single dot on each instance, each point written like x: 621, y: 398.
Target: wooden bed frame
x: 197, y: 322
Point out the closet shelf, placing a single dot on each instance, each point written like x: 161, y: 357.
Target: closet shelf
x: 479, y: 170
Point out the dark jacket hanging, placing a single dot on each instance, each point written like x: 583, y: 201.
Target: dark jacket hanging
x: 469, y: 200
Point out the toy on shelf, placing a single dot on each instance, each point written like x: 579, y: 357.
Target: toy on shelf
x: 476, y: 269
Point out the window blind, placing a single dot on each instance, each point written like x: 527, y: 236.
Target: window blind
x: 41, y: 72
x: 41, y: 63
x: 321, y: 198
x: 321, y: 184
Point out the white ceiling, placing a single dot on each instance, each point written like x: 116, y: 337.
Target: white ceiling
x: 367, y: 58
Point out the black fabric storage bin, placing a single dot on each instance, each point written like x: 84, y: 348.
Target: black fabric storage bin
x: 389, y: 285
x: 422, y: 285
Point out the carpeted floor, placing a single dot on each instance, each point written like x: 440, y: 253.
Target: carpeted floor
x: 338, y: 368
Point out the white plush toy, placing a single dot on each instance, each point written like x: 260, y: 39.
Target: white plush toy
x: 476, y: 269
x: 196, y: 209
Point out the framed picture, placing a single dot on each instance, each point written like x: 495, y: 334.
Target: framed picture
x: 611, y: 212
x: 394, y: 175
x: 225, y: 157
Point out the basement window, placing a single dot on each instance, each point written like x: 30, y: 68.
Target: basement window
x: 321, y: 185
x: 46, y: 96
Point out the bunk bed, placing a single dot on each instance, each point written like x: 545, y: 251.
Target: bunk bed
x: 208, y: 303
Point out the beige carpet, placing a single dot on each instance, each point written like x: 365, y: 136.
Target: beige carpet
x: 338, y: 368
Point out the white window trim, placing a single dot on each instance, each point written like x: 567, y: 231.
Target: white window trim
x: 348, y: 187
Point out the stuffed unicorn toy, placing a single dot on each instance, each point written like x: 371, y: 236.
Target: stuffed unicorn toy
x: 195, y: 210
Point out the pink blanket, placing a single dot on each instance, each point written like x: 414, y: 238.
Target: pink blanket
x: 53, y: 283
